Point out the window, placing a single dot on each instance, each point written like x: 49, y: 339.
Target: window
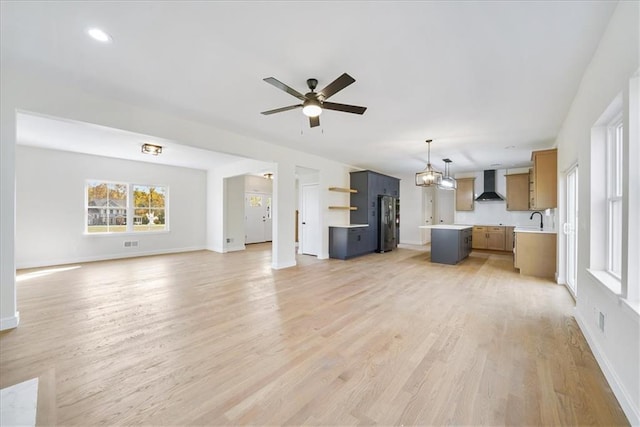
x: 149, y: 204
x: 614, y: 197
x: 118, y: 207
x: 106, y: 207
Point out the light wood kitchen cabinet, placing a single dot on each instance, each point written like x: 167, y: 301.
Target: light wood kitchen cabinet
x: 479, y: 237
x: 488, y: 237
x: 535, y: 254
x: 518, y: 192
x: 544, y: 179
x: 464, y: 194
x: 495, y: 238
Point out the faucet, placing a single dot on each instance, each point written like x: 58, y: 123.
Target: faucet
x: 539, y: 213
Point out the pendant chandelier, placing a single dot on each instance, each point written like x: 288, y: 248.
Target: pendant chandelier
x: 447, y: 182
x: 429, y: 176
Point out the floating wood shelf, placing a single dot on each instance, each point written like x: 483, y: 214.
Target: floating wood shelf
x: 343, y: 190
x: 351, y: 208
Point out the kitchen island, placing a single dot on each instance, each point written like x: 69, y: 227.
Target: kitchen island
x: 450, y: 244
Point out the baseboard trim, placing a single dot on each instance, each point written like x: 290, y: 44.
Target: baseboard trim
x: 236, y: 248
x: 411, y: 242
x: 10, y: 322
x: 63, y: 261
x: 628, y: 407
x: 280, y: 266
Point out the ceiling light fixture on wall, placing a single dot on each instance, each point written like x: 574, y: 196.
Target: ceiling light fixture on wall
x: 98, y: 34
x: 151, y: 149
x: 447, y: 182
x: 429, y: 176
x: 268, y: 175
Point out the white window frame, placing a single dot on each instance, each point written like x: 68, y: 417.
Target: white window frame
x: 165, y: 208
x: 614, y: 195
x: 107, y: 208
x: 130, y: 229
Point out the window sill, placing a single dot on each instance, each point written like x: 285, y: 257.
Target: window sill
x: 127, y: 233
x: 607, y: 280
x: 632, y: 305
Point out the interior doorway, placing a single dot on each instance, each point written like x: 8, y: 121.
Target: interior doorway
x: 310, y: 236
x: 257, y: 217
x: 427, y: 213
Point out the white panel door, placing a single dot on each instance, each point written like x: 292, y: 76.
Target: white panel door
x: 257, y: 208
x: 427, y: 212
x: 446, y: 206
x: 310, y: 219
x: 570, y: 230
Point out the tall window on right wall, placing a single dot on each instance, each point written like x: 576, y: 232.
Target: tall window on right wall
x: 614, y: 196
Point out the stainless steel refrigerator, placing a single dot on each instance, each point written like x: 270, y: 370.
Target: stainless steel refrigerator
x: 387, y: 223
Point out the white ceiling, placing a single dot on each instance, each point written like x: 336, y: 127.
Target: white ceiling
x: 69, y: 135
x: 476, y: 77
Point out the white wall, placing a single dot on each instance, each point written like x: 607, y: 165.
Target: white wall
x: 495, y: 212
x: 257, y: 184
x: 618, y: 348
x: 234, y: 213
x: 411, y: 212
x: 50, y: 215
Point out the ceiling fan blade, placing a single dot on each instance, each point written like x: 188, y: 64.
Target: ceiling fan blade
x: 344, y: 108
x: 337, y: 85
x: 284, y: 87
x: 280, y: 110
x: 314, y: 121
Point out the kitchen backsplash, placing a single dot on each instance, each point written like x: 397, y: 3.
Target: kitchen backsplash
x: 495, y: 213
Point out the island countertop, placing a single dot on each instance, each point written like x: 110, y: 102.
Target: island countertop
x: 447, y: 226
x: 350, y: 225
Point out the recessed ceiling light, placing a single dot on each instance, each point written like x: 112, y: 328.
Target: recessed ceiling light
x: 509, y: 147
x: 98, y: 34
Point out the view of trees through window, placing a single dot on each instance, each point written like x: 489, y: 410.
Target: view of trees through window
x: 106, y: 207
x: 149, y: 203
x: 112, y: 209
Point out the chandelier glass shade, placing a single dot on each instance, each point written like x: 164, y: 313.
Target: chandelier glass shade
x: 429, y: 176
x: 446, y: 181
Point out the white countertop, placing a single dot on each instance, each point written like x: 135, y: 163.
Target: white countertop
x: 534, y: 230
x: 447, y: 226
x: 350, y: 225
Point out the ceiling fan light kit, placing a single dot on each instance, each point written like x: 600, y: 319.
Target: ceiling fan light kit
x: 311, y: 108
x: 313, y: 103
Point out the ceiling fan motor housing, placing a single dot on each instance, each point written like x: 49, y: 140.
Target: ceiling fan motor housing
x: 312, y: 83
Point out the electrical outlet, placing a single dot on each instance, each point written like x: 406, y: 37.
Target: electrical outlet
x: 134, y: 243
x: 127, y: 244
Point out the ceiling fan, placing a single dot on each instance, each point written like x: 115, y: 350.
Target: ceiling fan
x: 314, y: 102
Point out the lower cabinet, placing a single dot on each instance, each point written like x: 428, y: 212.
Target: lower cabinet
x: 348, y: 242
x: 450, y: 246
x: 535, y: 254
x: 490, y: 237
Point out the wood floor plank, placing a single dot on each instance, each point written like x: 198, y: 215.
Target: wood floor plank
x: 202, y: 338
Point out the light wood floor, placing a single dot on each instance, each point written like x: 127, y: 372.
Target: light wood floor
x: 389, y: 339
